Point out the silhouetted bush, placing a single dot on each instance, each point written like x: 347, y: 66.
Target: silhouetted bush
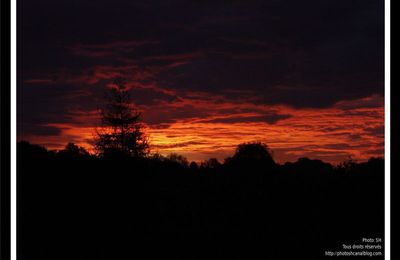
x: 211, y: 163
x: 72, y: 151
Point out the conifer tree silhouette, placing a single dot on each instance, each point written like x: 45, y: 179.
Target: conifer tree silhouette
x: 121, y: 131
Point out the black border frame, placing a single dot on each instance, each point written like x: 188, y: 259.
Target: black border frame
x: 5, y: 131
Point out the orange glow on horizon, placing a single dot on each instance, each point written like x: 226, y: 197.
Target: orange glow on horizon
x: 331, y: 134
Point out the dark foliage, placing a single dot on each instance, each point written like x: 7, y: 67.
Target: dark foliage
x: 75, y: 206
x: 121, y: 132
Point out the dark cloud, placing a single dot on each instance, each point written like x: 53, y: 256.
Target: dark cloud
x: 303, y: 54
x: 339, y: 146
x: 376, y: 152
x: 38, y: 130
x: 373, y: 101
x: 269, y: 118
x: 308, y: 54
x: 375, y: 131
x: 178, y: 145
x: 168, y: 115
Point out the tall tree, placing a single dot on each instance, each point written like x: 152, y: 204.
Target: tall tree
x: 121, y: 131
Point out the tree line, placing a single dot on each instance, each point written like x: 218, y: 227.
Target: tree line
x: 124, y: 202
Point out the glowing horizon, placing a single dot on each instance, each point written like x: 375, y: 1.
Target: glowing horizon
x: 331, y: 134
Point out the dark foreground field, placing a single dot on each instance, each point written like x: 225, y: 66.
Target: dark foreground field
x: 82, y: 207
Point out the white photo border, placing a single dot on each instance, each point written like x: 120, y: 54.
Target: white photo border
x: 14, y: 130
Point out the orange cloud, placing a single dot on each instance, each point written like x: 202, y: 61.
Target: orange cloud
x: 207, y: 128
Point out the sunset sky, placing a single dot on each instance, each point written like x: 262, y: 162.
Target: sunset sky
x: 305, y: 77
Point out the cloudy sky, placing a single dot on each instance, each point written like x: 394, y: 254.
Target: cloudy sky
x: 306, y: 77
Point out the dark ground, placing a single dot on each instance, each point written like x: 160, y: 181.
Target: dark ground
x: 82, y: 207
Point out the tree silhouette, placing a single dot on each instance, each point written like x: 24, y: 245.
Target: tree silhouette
x: 121, y: 131
x: 253, y: 151
x: 211, y: 163
x: 71, y: 150
x: 177, y: 158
